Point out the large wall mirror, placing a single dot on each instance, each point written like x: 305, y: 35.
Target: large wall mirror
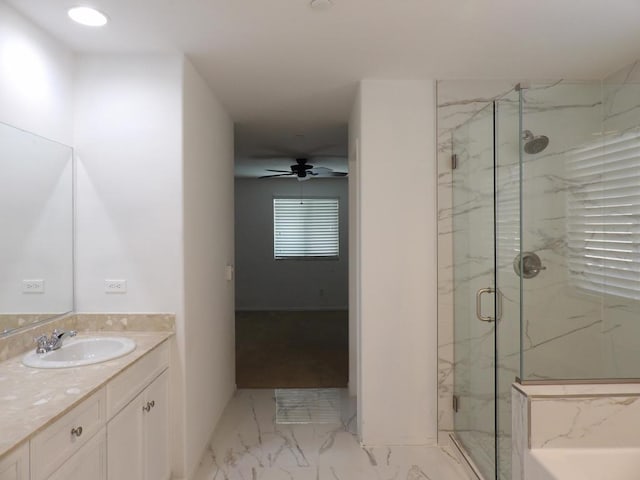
x: 36, y: 243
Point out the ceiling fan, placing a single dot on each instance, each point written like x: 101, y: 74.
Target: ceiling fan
x: 304, y: 171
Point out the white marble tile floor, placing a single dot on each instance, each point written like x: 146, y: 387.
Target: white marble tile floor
x: 249, y: 445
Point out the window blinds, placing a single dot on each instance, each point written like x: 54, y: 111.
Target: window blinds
x: 305, y: 227
x: 603, y: 216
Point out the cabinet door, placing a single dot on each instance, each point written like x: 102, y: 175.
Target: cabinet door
x: 157, y: 429
x: 125, y: 433
x: 89, y: 462
x: 15, y: 466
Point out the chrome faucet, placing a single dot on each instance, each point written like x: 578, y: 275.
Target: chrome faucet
x: 46, y: 344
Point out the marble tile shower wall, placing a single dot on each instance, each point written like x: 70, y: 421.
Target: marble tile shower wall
x: 621, y: 99
x: 472, y: 223
x: 458, y: 101
x: 557, y: 319
x: 569, y: 114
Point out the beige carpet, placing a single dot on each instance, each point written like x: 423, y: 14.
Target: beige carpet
x: 292, y: 349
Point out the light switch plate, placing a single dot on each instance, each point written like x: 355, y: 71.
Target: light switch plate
x: 228, y: 273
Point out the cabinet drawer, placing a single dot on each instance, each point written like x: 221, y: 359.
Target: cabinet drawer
x: 124, y: 388
x: 51, y: 447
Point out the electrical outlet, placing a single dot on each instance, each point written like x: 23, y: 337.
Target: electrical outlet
x: 115, y: 286
x: 33, y: 286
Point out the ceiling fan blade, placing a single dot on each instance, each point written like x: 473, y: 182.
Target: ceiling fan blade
x: 321, y: 170
x: 278, y: 171
x: 326, y: 172
x: 278, y: 175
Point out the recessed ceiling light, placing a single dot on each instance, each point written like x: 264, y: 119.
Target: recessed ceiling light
x: 87, y: 16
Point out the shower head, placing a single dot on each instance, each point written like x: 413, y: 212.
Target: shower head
x: 534, y: 143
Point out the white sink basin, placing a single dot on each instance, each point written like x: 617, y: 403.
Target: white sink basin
x: 81, y: 351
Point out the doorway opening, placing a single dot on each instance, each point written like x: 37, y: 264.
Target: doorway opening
x: 292, y: 295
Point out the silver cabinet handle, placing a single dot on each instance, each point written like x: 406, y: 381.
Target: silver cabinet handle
x: 488, y: 318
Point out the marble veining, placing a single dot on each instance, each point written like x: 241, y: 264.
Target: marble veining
x: 32, y: 398
x: 249, y: 445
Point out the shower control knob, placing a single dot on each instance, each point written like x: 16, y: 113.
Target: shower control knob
x: 527, y: 265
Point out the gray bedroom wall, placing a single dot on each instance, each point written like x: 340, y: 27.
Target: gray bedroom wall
x: 263, y: 283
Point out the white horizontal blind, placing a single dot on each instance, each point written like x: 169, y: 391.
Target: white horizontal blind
x: 508, y: 214
x: 604, y: 213
x: 305, y: 227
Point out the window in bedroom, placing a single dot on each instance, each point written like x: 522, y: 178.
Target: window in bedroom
x: 306, y: 228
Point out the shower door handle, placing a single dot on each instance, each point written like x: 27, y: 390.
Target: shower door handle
x: 488, y: 318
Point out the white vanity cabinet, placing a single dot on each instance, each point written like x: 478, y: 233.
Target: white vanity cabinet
x: 15, y: 466
x: 138, y: 434
x: 119, y: 432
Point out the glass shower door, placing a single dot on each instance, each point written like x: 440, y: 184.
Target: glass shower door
x: 474, y: 289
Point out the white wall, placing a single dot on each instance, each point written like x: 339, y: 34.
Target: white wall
x: 155, y: 208
x: 263, y: 283
x: 208, y: 248
x: 128, y: 139
x: 397, y: 262
x: 36, y: 78
x: 128, y: 132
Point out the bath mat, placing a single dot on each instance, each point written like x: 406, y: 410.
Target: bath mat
x: 307, y: 405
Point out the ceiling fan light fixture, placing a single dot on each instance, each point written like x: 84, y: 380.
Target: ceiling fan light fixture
x: 321, y: 4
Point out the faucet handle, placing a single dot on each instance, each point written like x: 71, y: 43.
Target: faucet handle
x: 57, y: 334
x: 42, y: 342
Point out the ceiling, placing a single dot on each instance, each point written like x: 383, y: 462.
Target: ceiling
x: 287, y: 73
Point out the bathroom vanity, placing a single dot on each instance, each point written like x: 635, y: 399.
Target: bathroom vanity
x: 104, y: 421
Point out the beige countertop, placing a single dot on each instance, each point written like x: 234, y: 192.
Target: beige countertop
x: 32, y: 398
